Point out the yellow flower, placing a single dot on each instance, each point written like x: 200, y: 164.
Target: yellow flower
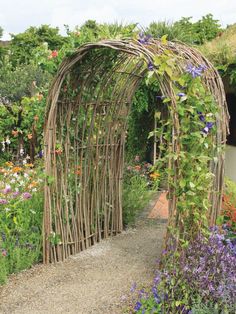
x: 29, y: 165
x: 154, y: 175
x: 9, y: 164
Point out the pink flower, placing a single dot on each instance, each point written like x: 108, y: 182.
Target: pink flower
x: 3, y: 201
x: 26, y: 195
x: 7, y: 189
x: 15, y: 194
x: 4, y: 252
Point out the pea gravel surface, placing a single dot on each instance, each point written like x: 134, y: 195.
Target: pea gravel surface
x: 93, y: 281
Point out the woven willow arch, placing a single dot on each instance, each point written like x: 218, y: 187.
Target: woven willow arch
x: 85, y: 127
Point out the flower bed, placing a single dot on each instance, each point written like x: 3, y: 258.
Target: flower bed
x: 20, y: 218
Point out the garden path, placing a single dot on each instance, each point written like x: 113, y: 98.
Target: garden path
x: 94, y: 280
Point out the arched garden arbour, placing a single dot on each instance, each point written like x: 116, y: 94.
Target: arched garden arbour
x: 85, y: 132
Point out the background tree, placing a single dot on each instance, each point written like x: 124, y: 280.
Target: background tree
x: 23, y: 44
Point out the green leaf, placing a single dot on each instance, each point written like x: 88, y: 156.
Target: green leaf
x: 158, y: 114
x: 164, y: 39
x: 169, y: 71
x: 182, y: 183
x: 192, y: 185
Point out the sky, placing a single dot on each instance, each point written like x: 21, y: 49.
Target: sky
x: 18, y: 15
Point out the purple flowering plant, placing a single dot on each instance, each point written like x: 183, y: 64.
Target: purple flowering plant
x: 204, y: 273
x: 143, y: 38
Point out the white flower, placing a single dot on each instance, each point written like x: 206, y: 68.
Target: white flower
x: 26, y: 175
x: 27, y: 157
x: 16, y: 189
x: 8, y: 141
x: 21, y: 151
x: 15, y: 175
x: 34, y: 190
x: 24, y: 161
x: 21, y: 182
x: 7, y: 209
x: 13, y: 181
x: 3, y: 146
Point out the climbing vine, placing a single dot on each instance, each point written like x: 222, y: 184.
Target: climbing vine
x: 192, y: 119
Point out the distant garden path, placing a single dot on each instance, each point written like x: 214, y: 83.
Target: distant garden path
x: 93, y: 281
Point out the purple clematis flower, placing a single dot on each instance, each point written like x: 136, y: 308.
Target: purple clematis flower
x: 144, y: 39
x: 40, y: 155
x: 138, y: 305
x: 208, y: 127
x: 195, y: 71
x: 201, y: 116
x: 181, y: 94
x: 161, y: 97
x: 150, y: 66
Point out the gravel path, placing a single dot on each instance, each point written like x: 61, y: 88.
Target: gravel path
x: 93, y: 281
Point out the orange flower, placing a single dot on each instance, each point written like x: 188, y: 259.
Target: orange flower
x: 17, y: 169
x: 78, y: 170
x: 33, y: 184
x: 154, y: 175
x: 39, y: 97
x: 14, y: 133
x: 2, y: 170
x: 36, y: 118
x: 58, y: 151
x: 30, y: 136
x: 138, y: 168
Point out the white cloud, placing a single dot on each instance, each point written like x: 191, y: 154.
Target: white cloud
x: 17, y: 15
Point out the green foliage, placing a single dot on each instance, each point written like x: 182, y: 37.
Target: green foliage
x: 22, y: 81
x: 141, y: 123
x: 230, y: 190
x: 22, y: 105
x: 136, y: 195
x: 201, y: 308
x: 22, y: 45
x: 187, y: 31
x: 159, y: 29
x: 221, y: 51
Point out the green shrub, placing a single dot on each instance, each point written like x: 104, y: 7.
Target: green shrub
x: 138, y: 189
